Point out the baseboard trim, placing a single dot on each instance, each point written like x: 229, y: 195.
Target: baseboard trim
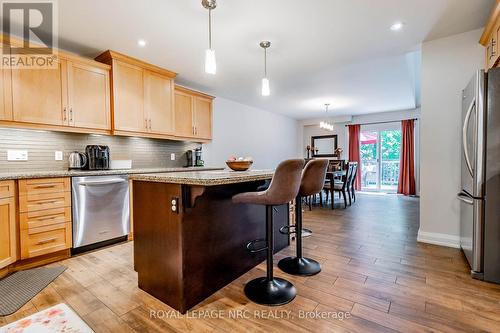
x: 439, y: 239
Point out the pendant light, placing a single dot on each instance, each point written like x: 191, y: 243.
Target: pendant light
x: 324, y: 124
x: 266, y: 91
x: 210, y: 64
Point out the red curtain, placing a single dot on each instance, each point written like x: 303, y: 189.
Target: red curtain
x: 354, y: 152
x: 406, y: 184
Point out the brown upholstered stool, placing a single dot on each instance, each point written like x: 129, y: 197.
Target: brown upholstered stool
x: 313, y: 179
x: 284, y: 187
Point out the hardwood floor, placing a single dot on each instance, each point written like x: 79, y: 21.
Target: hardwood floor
x: 374, y: 272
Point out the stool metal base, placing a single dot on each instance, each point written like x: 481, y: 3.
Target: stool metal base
x: 299, y: 266
x: 270, y: 292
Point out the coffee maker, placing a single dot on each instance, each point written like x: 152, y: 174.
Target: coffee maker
x: 198, y: 161
x: 98, y: 157
x: 189, y: 159
x: 193, y: 158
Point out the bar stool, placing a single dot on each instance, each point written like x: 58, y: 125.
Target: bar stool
x: 270, y: 290
x: 313, y: 179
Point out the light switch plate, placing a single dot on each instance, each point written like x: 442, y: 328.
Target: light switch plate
x: 17, y: 155
x: 58, y: 156
x: 172, y: 157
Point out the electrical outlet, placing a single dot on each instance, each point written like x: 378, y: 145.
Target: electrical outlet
x: 17, y: 155
x: 58, y: 156
x: 172, y: 157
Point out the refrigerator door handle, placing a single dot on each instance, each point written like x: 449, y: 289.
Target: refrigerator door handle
x: 465, y: 198
x: 464, y: 136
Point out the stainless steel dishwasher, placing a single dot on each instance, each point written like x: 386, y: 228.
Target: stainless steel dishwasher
x: 101, y: 212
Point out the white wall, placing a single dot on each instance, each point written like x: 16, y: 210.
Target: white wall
x: 242, y: 130
x: 447, y: 66
x: 314, y: 130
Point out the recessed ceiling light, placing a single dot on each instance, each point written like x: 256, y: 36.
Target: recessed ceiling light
x: 141, y: 42
x: 397, y: 26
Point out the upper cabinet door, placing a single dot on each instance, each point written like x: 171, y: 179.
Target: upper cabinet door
x: 5, y: 94
x: 128, y: 97
x: 158, y: 102
x: 5, y: 89
x: 39, y: 95
x: 184, y: 124
x: 88, y: 92
x: 203, y: 117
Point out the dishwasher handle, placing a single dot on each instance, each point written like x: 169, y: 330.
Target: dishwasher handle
x: 102, y: 182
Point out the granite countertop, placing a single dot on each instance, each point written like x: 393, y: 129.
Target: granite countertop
x: 80, y: 173
x: 206, y: 177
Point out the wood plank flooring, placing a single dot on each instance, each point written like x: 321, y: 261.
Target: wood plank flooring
x: 374, y: 272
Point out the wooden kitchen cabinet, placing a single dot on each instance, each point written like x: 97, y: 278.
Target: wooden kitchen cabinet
x: 128, y: 98
x: 5, y: 89
x: 44, y: 216
x: 193, y: 114
x: 159, y: 102
x: 39, y: 95
x: 8, y: 228
x: 202, y: 117
x: 490, y: 38
x: 73, y: 97
x: 5, y: 94
x: 142, y: 103
x: 88, y: 96
x: 183, y: 113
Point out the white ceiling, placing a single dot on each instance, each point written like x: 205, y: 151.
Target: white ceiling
x: 335, y: 51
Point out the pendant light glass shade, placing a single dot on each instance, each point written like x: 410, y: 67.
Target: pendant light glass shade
x: 210, y: 64
x: 266, y: 91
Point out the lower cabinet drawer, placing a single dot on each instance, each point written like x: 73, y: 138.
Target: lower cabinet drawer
x: 33, y: 202
x: 43, y: 185
x: 7, y: 189
x: 43, y: 240
x: 41, y: 218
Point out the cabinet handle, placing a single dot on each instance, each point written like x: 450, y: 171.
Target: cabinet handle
x: 71, y: 114
x: 45, y: 241
x: 48, y: 218
x: 45, y: 186
x: 492, y: 47
x: 193, y: 129
x: 46, y: 202
x: 65, y: 117
x: 149, y: 123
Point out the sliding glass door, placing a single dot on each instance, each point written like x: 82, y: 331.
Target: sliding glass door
x: 380, y: 151
x: 369, y: 151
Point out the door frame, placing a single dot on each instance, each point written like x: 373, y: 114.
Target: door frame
x: 378, y: 128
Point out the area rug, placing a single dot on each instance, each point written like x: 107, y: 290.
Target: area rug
x: 17, y: 289
x: 59, y: 318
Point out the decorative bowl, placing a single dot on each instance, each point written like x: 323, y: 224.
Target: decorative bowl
x: 239, y: 165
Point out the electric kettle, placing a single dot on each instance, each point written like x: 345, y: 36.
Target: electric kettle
x: 77, y: 160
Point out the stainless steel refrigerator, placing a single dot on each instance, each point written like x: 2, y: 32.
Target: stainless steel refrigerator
x: 480, y: 193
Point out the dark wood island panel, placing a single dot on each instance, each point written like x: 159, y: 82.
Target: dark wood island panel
x: 184, y: 255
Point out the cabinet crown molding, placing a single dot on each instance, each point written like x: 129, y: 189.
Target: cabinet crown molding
x: 108, y: 56
x: 193, y: 92
x: 488, y: 29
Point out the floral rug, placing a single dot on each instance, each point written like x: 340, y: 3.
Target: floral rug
x: 59, y: 318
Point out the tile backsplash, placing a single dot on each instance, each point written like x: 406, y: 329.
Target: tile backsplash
x: 42, y: 145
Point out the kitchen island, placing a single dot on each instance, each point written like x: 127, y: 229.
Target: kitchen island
x: 190, y: 238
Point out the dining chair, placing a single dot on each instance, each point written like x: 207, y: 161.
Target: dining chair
x: 340, y: 186
x: 353, y: 182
